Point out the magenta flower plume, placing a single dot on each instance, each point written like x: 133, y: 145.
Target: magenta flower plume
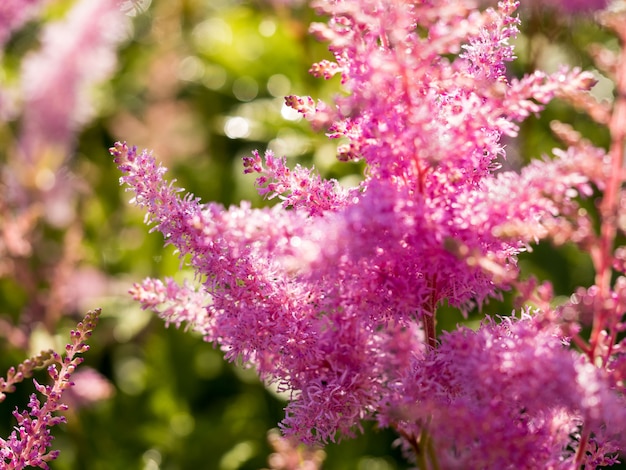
x: 333, y: 294
x: 29, y: 444
x: 263, y: 309
x: 510, y: 395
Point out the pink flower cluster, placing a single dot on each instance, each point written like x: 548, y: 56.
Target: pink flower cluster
x: 333, y: 295
x: 28, y: 445
x: 511, y: 395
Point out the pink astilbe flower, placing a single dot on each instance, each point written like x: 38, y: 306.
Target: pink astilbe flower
x: 28, y: 445
x: 273, y: 311
x: 76, y: 53
x: 510, y: 395
x: 333, y: 294
x: 176, y: 304
x: 298, y: 188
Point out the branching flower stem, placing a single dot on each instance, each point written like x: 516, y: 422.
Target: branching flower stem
x: 610, y: 201
x: 602, y: 257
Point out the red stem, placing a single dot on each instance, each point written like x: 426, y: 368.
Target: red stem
x: 610, y: 202
x: 609, y: 207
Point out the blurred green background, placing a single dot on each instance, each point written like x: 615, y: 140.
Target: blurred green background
x: 201, y: 82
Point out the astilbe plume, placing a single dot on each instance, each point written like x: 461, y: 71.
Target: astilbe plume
x: 516, y: 385
x: 29, y: 444
x: 58, y: 79
x: 333, y: 294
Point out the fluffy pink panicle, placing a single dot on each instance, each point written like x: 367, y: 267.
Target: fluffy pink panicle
x: 176, y: 304
x: 76, y: 52
x: 510, y: 395
x: 327, y: 294
x: 261, y: 303
x: 297, y: 188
